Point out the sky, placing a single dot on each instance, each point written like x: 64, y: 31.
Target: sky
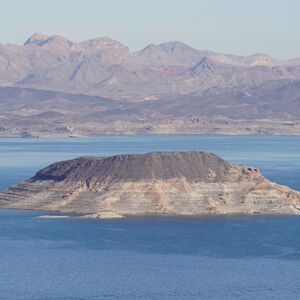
x: 241, y: 27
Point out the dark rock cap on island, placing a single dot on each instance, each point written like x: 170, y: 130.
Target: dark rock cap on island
x: 138, y: 167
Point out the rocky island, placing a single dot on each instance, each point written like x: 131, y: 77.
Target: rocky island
x: 161, y: 183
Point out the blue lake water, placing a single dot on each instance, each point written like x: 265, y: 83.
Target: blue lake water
x: 150, y: 258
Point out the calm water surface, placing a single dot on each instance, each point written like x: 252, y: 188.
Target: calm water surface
x: 150, y: 258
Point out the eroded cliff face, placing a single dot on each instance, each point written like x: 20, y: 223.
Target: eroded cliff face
x: 171, y: 183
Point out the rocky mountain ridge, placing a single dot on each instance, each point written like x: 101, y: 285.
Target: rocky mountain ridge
x: 106, y: 67
x: 272, y: 108
x: 52, y: 86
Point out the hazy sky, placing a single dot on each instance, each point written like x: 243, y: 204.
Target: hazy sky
x: 230, y: 26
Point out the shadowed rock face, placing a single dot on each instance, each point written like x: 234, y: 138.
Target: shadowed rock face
x: 172, y: 183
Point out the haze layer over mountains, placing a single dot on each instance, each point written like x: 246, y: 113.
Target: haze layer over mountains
x: 51, y: 83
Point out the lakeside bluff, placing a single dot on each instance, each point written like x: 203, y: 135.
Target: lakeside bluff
x: 161, y: 183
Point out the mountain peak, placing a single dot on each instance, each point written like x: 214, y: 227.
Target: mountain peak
x: 36, y: 39
x: 104, y: 43
x: 40, y: 39
x: 259, y: 59
x: 176, y: 46
x: 168, y: 47
x: 173, y: 52
x: 149, y: 48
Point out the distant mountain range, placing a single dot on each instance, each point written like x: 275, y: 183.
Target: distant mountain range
x: 106, y: 67
x: 165, y: 87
